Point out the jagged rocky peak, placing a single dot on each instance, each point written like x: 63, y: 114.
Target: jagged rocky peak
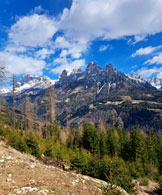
x: 156, y: 82
x: 141, y: 81
x: 26, y: 78
x: 76, y: 71
x: 109, y: 66
x: 30, y: 82
x: 64, y: 73
x: 136, y: 76
x: 92, y: 66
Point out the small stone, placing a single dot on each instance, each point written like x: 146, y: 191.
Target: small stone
x: 18, y: 192
x: 32, y: 166
x: 2, y: 160
x: 32, y: 181
x: 9, y: 157
x: 42, y: 192
x: 8, y: 179
x: 9, y: 175
x: 13, y: 181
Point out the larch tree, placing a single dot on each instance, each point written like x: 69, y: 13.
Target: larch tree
x: 28, y: 113
x: 2, y: 79
x: 15, y: 86
x: 50, y: 103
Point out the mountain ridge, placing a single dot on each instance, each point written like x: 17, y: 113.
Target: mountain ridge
x: 98, y: 95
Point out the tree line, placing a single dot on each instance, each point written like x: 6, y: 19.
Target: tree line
x: 113, y: 155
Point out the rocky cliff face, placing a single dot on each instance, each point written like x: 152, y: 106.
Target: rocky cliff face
x: 156, y: 82
x: 105, y: 95
x: 141, y: 81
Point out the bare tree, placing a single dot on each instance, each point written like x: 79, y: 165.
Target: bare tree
x: 14, y: 93
x: 50, y: 97
x: 2, y: 80
x: 28, y: 112
x: 2, y: 73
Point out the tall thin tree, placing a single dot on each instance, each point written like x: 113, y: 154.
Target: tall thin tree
x: 2, y: 80
x: 14, y: 91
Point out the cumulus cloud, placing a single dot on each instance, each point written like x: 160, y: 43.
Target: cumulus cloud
x: 148, y: 72
x: 155, y: 60
x: 112, y: 19
x: 70, y: 47
x: 44, y: 53
x: 33, y: 30
x: 145, y: 51
x: 66, y: 64
x: 33, y: 39
x: 20, y: 64
x: 29, y: 44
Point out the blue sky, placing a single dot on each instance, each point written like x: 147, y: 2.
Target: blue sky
x: 44, y: 37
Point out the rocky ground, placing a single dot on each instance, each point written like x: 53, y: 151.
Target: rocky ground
x: 23, y: 174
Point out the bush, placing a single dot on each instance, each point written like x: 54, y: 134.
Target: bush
x: 111, y: 190
x: 144, y: 181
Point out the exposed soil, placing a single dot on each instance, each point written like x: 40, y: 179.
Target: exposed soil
x: 23, y: 174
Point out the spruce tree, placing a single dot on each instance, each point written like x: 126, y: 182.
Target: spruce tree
x: 90, y: 139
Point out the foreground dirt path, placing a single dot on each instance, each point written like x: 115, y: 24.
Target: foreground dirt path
x: 23, y: 174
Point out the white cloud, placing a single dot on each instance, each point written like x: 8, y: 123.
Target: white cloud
x: 66, y: 64
x: 20, y: 64
x: 15, y: 49
x: 84, y: 22
x: 33, y: 31
x: 140, y: 37
x: 29, y: 44
x: 70, y: 47
x: 145, y: 51
x: 44, y: 53
x: 112, y: 19
x: 155, y: 60
x: 146, y: 73
x: 104, y: 47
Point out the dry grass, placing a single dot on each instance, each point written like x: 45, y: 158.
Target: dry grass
x: 23, y: 174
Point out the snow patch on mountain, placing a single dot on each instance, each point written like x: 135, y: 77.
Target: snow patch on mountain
x: 138, y: 78
x: 34, y: 82
x: 154, y: 82
x: 157, y: 83
x: 29, y: 83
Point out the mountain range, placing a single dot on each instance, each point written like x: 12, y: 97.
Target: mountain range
x: 103, y: 96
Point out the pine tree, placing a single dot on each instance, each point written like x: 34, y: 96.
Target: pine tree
x: 124, y: 144
x: 103, y: 146
x: 77, y: 139
x: 112, y: 141
x: 138, y: 146
x: 151, y: 147
x: 159, y: 154
x: 90, y: 139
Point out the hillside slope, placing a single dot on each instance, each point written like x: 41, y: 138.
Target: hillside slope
x: 23, y: 174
